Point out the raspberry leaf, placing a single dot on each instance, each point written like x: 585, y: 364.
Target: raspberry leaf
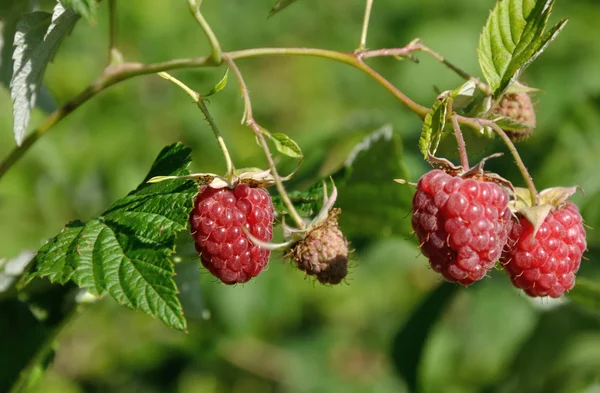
x: 219, y: 86
x: 85, y: 8
x: 125, y: 252
x: 284, y: 144
x: 38, y: 37
x: 307, y: 203
x: 372, y: 204
x: 513, y: 38
x: 280, y: 5
x: 433, y: 126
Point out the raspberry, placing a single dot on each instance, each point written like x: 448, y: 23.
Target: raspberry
x: 323, y: 253
x: 545, y: 265
x: 462, y: 224
x: 216, y: 223
x: 517, y: 106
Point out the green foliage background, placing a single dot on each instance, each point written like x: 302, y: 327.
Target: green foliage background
x: 281, y: 333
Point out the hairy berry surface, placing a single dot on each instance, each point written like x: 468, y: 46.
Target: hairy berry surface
x: 462, y: 224
x: 323, y: 253
x: 518, y: 107
x: 216, y: 224
x: 545, y: 264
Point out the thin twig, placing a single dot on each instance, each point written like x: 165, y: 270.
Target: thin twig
x: 363, y: 36
x: 460, y: 141
x: 114, y: 55
x: 482, y: 86
x: 199, y: 101
x: 215, y: 47
x: 120, y: 72
x: 478, y: 123
x: 258, y: 132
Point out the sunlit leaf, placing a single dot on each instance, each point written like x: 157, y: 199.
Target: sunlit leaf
x: 125, y: 252
x: 38, y: 37
x: 512, y: 38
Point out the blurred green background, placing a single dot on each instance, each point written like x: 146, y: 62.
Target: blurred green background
x: 282, y: 332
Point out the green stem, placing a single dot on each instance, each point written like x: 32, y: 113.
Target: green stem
x: 215, y: 47
x: 478, y: 123
x: 460, y: 141
x: 482, y: 86
x: 114, y: 55
x: 199, y: 101
x: 117, y: 73
x: 220, y: 140
x: 250, y: 122
x: 363, y: 37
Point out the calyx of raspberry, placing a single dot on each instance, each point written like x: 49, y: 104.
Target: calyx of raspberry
x: 549, y: 200
x: 254, y: 177
x: 476, y: 172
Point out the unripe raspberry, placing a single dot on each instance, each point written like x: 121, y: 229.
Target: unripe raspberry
x: 518, y: 107
x: 323, y: 253
x: 545, y: 264
x: 462, y: 224
x: 216, y: 224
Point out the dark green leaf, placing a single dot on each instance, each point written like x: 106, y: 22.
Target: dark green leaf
x: 85, y: 8
x: 408, y: 344
x: 25, y: 338
x: 280, y: 5
x: 307, y: 203
x: 372, y: 204
x: 512, y: 38
x: 433, y: 126
x: 37, y: 40
x: 125, y: 251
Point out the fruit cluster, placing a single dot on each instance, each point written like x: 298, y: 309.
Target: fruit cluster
x: 465, y: 224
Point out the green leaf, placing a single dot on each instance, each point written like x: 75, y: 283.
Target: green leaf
x: 125, y: 251
x: 433, y: 126
x: 280, y: 5
x: 37, y: 39
x: 463, y: 95
x: 410, y: 341
x: 508, y: 124
x: 587, y: 293
x: 307, y: 203
x: 512, y: 38
x: 285, y: 145
x: 219, y: 86
x: 85, y: 8
x: 372, y: 204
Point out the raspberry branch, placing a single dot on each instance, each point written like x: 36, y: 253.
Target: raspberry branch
x: 215, y: 47
x: 248, y: 119
x: 117, y: 73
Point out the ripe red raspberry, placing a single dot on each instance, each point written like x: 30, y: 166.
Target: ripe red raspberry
x: 545, y: 265
x: 518, y: 107
x: 216, y: 224
x: 462, y: 224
